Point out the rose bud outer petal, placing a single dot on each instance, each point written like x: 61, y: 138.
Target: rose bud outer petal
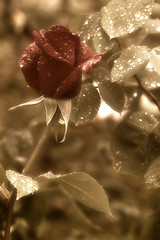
x: 63, y: 43
x: 51, y: 75
x: 28, y: 64
x: 84, y: 53
x: 91, y: 62
x: 71, y: 86
x: 46, y: 47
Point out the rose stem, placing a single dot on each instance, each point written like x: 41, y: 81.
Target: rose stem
x: 27, y: 168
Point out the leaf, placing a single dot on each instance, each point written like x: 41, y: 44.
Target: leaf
x: 25, y: 185
x: 154, y: 59
x: 150, y: 78
x: 86, y: 105
x: 30, y: 103
x: 135, y: 143
x: 152, y: 26
x: 130, y: 62
x: 85, y: 25
x: 152, y: 176
x: 112, y: 94
x: 2, y: 175
x: 100, y: 73
x: 120, y: 17
x: 65, y: 108
x: 19, y: 144
x: 86, y: 190
x: 50, y: 107
x: 101, y: 41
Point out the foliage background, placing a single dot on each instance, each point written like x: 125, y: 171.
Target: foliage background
x: 53, y: 215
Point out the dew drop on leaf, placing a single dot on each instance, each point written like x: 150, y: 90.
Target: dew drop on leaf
x: 101, y: 41
x: 120, y: 17
x: 131, y: 61
x: 86, y: 105
x: 152, y: 176
x: 25, y: 185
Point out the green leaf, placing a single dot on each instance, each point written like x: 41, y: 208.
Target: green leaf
x: 86, y: 105
x: 2, y: 175
x: 85, y: 25
x: 136, y: 142
x: 152, y: 26
x: 86, y: 190
x: 152, y: 176
x: 102, y: 42
x: 83, y: 188
x: 112, y: 94
x: 100, y: 73
x: 120, y: 17
x: 131, y: 61
x: 25, y: 185
x: 154, y: 58
x: 150, y: 78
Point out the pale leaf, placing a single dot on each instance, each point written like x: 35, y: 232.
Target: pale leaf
x: 86, y: 105
x: 130, y: 62
x: 25, y: 185
x: 154, y: 59
x: 120, y: 17
x: 50, y: 107
x: 152, y: 26
x: 83, y: 188
x: 65, y: 108
x: 152, y: 176
x: 101, y: 41
x: 86, y: 190
x: 30, y: 103
x: 85, y: 25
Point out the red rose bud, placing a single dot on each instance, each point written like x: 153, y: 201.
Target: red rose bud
x: 53, y: 64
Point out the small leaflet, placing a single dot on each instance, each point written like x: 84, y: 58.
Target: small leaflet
x: 152, y: 176
x: 130, y: 62
x: 30, y: 103
x: 112, y: 94
x: 121, y: 17
x: 25, y: 185
x: 154, y: 59
x: 65, y: 108
x: 86, y: 105
x: 50, y: 107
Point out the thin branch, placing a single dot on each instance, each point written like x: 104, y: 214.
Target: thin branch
x: 147, y: 92
x: 10, y: 214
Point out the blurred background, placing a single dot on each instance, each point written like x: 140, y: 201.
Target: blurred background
x: 85, y: 149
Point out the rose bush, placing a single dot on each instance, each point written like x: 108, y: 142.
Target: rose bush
x: 53, y: 64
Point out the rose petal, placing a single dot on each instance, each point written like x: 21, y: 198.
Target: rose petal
x: 28, y: 65
x: 46, y: 47
x: 91, y: 62
x: 51, y: 75
x: 71, y: 86
x: 63, y: 43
